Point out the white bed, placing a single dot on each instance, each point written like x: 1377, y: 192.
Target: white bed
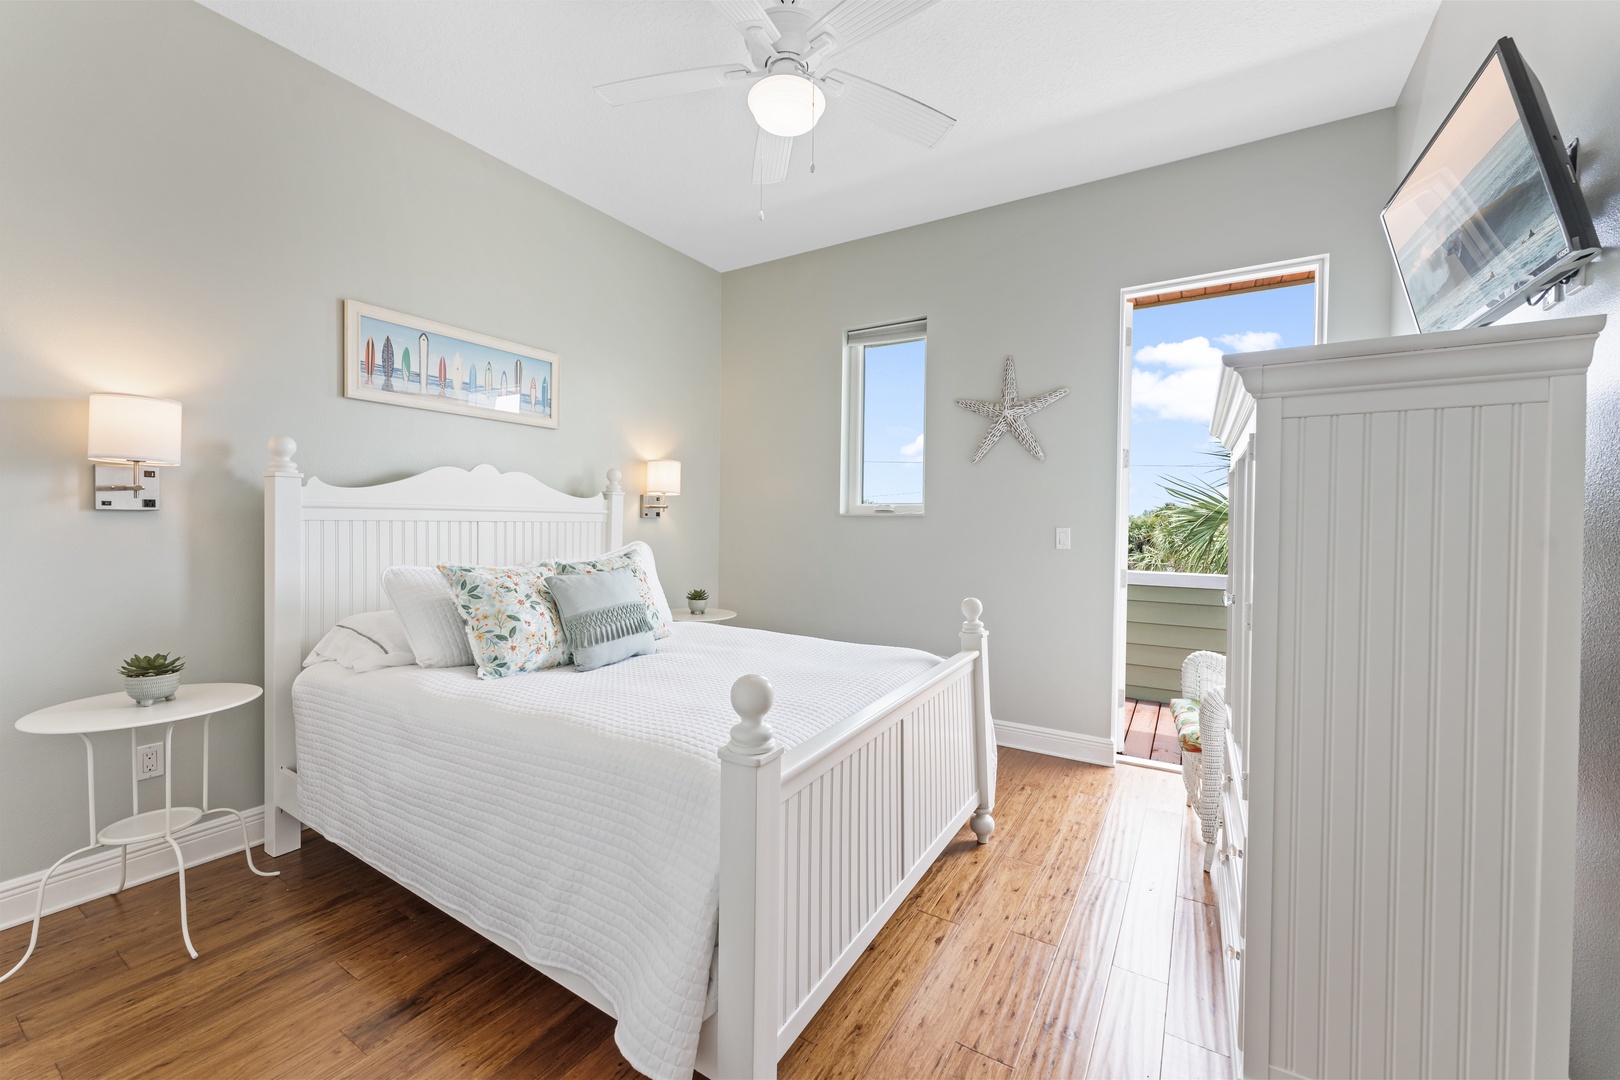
x: 599, y: 824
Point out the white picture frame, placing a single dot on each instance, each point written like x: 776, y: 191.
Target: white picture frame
x: 466, y: 373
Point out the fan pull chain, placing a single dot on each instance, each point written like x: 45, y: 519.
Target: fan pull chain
x: 812, y: 129
x: 762, y: 202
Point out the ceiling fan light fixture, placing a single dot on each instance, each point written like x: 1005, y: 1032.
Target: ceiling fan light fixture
x: 787, y: 105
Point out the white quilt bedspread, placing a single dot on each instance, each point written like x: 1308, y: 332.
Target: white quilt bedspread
x: 575, y: 813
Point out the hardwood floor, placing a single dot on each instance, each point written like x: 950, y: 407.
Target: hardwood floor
x: 1150, y: 732
x: 1081, y: 941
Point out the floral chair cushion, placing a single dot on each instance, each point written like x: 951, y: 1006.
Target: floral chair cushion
x: 1185, y: 713
x: 512, y: 620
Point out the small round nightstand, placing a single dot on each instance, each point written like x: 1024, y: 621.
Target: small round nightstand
x: 718, y: 614
x: 116, y: 712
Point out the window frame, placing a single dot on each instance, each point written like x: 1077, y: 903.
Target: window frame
x: 852, y: 456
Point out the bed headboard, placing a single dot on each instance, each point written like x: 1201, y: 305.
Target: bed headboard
x: 325, y: 549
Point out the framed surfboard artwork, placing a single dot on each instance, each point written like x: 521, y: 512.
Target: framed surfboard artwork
x: 400, y: 359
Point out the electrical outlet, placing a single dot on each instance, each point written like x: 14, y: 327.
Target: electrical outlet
x: 150, y: 760
x: 1063, y: 539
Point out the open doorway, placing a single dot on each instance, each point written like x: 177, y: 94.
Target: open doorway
x: 1171, y: 515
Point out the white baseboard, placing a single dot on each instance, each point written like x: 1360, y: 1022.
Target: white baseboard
x: 97, y: 874
x: 1063, y: 744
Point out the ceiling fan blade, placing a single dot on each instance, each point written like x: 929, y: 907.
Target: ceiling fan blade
x: 772, y: 153
x: 669, y: 84
x: 856, y: 20
x: 746, y: 15
x: 889, y: 108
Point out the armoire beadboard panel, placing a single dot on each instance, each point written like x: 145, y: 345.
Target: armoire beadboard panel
x: 1409, y: 649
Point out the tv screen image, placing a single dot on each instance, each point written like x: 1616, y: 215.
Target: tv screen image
x: 1478, y: 223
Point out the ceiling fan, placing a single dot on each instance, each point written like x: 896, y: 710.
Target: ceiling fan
x: 788, y: 48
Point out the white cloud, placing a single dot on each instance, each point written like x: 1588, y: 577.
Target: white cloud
x: 1184, y: 392
x: 1178, y: 380
x: 1251, y: 340
x: 1193, y: 353
x: 913, y: 449
x: 1178, y: 395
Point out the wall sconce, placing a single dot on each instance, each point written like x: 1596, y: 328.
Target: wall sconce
x: 140, y: 433
x: 663, y: 480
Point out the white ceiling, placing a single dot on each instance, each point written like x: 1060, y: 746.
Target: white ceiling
x: 1046, y: 95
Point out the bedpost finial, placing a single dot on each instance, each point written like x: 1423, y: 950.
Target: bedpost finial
x: 971, y: 610
x: 282, y: 449
x: 613, y: 478
x: 751, y: 696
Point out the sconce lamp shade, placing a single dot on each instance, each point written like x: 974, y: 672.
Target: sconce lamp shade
x: 663, y: 478
x: 126, y: 428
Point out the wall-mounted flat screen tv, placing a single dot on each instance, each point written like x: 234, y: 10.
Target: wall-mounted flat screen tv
x: 1491, y: 214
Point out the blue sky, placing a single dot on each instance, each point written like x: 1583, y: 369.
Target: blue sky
x: 1176, y: 368
x: 892, y: 435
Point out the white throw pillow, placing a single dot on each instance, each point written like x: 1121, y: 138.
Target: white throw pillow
x: 365, y: 642
x: 434, y: 627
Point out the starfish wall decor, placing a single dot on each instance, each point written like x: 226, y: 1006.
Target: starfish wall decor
x: 1009, y: 413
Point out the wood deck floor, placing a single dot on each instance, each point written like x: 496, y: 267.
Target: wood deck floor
x: 1150, y: 732
x: 1082, y: 941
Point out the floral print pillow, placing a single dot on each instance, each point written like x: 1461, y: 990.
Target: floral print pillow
x: 638, y: 557
x: 512, y: 620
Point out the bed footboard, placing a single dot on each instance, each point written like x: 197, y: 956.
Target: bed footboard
x: 820, y: 845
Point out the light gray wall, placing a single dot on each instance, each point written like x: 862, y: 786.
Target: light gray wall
x: 183, y: 206
x: 1038, y: 279
x: 1574, y: 49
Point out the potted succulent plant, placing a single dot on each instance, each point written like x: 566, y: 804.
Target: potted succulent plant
x: 152, y: 678
x: 697, y: 601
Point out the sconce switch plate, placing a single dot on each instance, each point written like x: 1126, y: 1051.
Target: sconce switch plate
x: 109, y: 475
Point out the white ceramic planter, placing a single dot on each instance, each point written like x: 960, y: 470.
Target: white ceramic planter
x: 697, y: 607
x: 150, y: 688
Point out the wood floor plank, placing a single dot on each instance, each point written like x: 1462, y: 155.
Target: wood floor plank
x: 799, y: 1054
x: 1196, y: 1010
x: 1130, y: 1031
x: 847, y: 1030
x: 1052, y: 897
x: 1007, y: 1000
x: 1042, y: 821
x: 1184, y: 1061
x: 921, y: 1038
x: 1121, y: 832
x: 563, y: 1041
x: 1150, y: 910
x: 1060, y: 1044
x: 964, y: 1064
x: 1194, y: 883
x: 605, y: 1062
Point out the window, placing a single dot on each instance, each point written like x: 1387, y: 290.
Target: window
x: 884, y: 375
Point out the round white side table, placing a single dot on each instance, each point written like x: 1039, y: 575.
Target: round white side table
x: 718, y: 614
x: 118, y: 712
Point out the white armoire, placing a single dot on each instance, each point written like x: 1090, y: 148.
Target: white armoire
x: 1395, y: 871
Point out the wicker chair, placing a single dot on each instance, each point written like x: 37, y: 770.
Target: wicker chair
x: 1201, y: 718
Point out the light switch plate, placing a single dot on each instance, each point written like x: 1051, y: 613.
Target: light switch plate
x: 1063, y: 540
x: 146, y: 499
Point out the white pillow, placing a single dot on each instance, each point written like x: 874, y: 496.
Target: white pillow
x: 365, y: 642
x: 433, y: 626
